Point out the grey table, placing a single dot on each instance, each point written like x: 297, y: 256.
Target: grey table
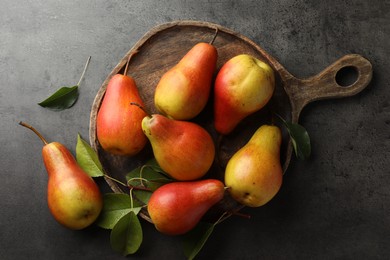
x: 334, y: 205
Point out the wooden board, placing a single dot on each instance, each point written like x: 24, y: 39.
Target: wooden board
x: 163, y: 46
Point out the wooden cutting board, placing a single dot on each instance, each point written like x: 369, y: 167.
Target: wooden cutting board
x: 163, y: 46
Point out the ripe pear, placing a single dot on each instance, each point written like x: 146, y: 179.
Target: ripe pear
x: 118, y: 123
x: 254, y: 174
x: 73, y: 197
x: 184, y: 90
x: 177, y: 207
x: 183, y: 149
x: 243, y: 86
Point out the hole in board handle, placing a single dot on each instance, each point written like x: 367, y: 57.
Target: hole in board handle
x: 347, y: 76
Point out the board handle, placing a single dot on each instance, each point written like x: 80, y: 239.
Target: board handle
x: 325, y: 84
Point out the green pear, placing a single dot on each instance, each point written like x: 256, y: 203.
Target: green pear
x: 183, y: 149
x: 243, y: 86
x: 177, y: 207
x: 254, y: 174
x: 74, y: 199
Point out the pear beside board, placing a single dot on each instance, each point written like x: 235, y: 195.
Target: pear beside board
x: 254, y: 174
x: 73, y: 197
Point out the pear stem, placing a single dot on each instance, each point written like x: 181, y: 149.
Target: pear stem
x: 85, y: 69
x: 128, y: 61
x: 34, y: 130
x: 141, y: 107
x: 215, y: 36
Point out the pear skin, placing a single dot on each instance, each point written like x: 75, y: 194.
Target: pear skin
x: 243, y: 86
x: 177, y: 207
x: 184, y: 90
x: 254, y: 174
x: 183, y: 149
x: 73, y: 197
x: 118, y: 123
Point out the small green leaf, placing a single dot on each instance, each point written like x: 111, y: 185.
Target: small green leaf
x: 300, y: 139
x: 88, y: 158
x: 126, y: 236
x: 194, y: 240
x: 62, y: 99
x: 115, y: 206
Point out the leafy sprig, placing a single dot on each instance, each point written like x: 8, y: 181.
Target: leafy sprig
x: 65, y: 97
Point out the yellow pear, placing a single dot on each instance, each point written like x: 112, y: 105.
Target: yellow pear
x: 254, y: 174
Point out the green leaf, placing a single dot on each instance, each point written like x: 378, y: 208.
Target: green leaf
x: 149, y: 176
x: 142, y: 195
x: 115, y: 206
x: 62, y: 99
x: 194, y: 240
x: 300, y: 139
x: 88, y: 158
x: 126, y: 236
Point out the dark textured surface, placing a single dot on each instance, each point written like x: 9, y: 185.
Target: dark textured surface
x: 335, y: 205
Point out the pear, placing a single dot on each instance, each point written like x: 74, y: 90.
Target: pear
x: 73, y: 197
x: 243, y: 86
x: 118, y: 123
x: 183, y: 149
x: 254, y: 174
x: 184, y: 90
x: 177, y: 207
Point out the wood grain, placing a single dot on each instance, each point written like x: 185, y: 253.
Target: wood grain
x: 163, y: 46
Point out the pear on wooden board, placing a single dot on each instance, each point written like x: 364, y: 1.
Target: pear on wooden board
x: 254, y: 174
x: 177, y: 207
x: 118, y: 123
x: 73, y: 197
x: 183, y: 149
x: 184, y: 90
x: 243, y: 86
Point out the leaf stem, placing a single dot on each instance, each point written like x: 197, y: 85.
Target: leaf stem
x: 220, y: 219
x: 113, y: 179
x: 85, y: 69
x: 131, y: 198
x: 138, y: 179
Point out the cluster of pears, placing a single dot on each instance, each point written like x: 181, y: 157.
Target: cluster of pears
x: 184, y: 149
x: 73, y: 197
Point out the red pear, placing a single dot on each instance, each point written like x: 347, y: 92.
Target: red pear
x: 183, y: 149
x: 177, y: 207
x: 73, y: 197
x: 118, y: 123
x: 243, y: 86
